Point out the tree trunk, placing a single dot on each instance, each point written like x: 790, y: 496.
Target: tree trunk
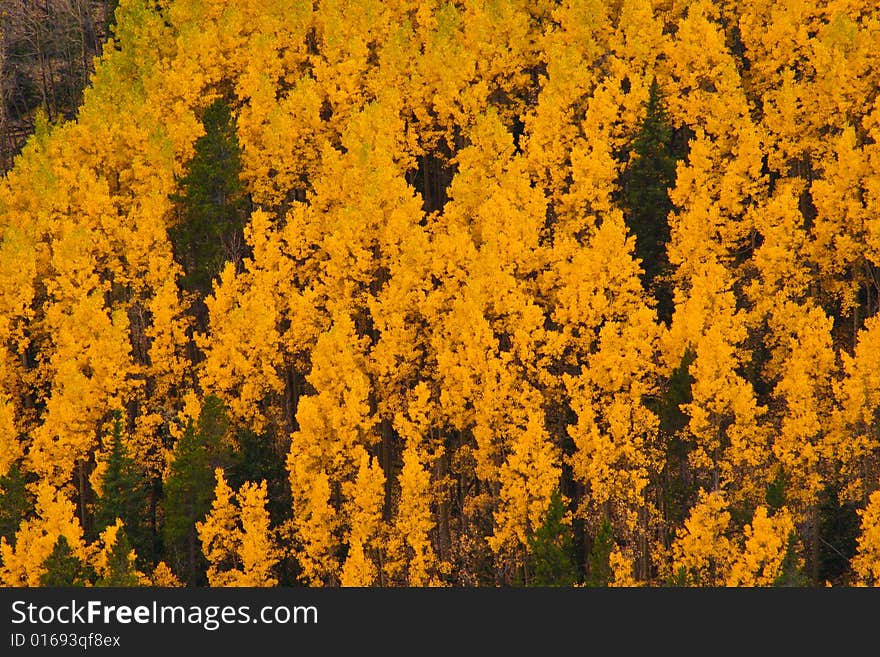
x: 82, y: 494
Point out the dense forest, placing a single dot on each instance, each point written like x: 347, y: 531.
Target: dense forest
x: 441, y: 293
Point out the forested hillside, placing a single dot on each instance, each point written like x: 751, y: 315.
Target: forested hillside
x: 457, y: 293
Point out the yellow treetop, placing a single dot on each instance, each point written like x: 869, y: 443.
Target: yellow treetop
x: 766, y: 546
x: 22, y: 565
x: 236, y: 537
x: 363, y: 510
x: 866, y: 562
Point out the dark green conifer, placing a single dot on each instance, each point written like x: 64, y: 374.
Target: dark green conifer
x: 189, y: 488
x: 599, y: 564
x: 124, y: 491
x: 212, y: 202
x: 63, y: 567
x: 120, y: 568
x: 551, y: 548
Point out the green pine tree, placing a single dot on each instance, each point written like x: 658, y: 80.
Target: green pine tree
x: 212, y: 202
x: 678, y: 490
x: 120, y: 567
x: 644, y: 197
x: 189, y: 488
x: 599, y: 563
x: 124, y: 495
x: 775, y: 495
x: 14, y: 501
x: 792, y: 574
x: 110, y: 16
x: 63, y: 567
x: 552, y: 547
x: 258, y: 458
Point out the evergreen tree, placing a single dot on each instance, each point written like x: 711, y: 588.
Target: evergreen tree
x: 257, y: 459
x: 838, y: 534
x: 124, y: 494
x: 63, y: 567
x: 791, y: 572
x: 14, y: 502
x: 212, y: 202
x: 189, y: 488
x: 646, y: 179
x: 120, y: 566
x: 110, y: 16
x: 599, y: 563
x: 671, y: 408
x: 552, y: 547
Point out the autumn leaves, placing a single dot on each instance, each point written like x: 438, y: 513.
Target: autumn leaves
x: 475, y: 387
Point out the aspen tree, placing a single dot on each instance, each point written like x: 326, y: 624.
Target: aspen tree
x: 87, y: 370
x: 162, y: 577
x: 365, y: 499
x: 529, y: 477
x: 22, y: 563
x: 439, y: 306
x: 410, y: 546
x: 710, y: 551
x: 580, y: 40
x: 765, y: 547
x: 236, y: 538
x: 600, y: 307
x: 18, y: 270
x: 854, y: 434
x: 219, y: 534
x: 334, y: 425
x: 866, y: 562
x: 622, y: 564
x: 702, y: 552
x: 244, y: 350
x: 259, y: 553
x: 838, y: 231
x: 725, y: 428
x: 489, y: 336
x: 802, y: 445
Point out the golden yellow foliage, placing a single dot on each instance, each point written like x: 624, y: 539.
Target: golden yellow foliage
x: 866, y: 562
x: 766, y: 544
x: 709, y: 551
x: 162, y: 577
x: 236, y: 536
x: 363, y: 510
x: 436, y: 311
x: 21, y: 564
